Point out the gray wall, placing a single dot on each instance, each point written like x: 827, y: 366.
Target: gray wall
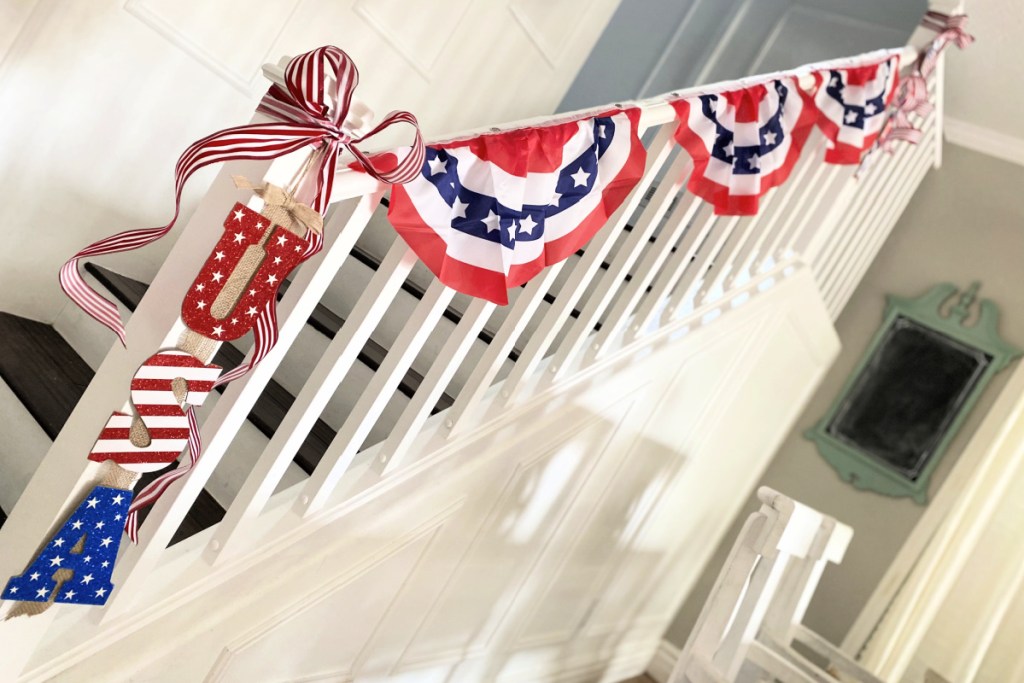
x: 966, y: 222
x: 656, y: 46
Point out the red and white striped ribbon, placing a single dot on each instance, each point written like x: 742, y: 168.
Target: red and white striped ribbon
x: 913, y: 94
x: 156, y: 488
x: 309, y: 119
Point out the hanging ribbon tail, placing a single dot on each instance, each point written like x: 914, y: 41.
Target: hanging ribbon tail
x: 913, y: 97
x: 264, y: 334
x: 152, y: 493
x: 254, y: 141
x: 951, y: 29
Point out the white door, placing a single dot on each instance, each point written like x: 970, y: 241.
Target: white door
x: 99, y: 97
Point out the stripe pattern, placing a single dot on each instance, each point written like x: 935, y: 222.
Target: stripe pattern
x: 852, y: 106
x: 308, y: 119
x: 159, y: 409
x: 913, y: 94
x: 149, y: 495
x: 488, y: 213
x: 744, y: 142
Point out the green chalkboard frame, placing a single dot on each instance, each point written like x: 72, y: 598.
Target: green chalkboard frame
x: 867, y: 472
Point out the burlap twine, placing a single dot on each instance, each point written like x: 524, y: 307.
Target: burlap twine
x: 280, y: 208
x: 114, y: 476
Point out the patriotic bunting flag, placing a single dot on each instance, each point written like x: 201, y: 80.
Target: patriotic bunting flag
x: 487, y: 214
x: 852, y: 107
x: 744, y: 142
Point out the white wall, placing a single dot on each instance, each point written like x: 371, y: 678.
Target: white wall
x: 964, y: 223
x: 98, y: 99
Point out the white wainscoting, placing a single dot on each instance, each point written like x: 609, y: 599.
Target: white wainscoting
x: 552, y: 546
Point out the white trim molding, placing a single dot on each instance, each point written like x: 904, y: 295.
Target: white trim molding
x: 663, y: 661
x: 985, y: 140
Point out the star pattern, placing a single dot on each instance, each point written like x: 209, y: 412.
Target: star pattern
x: 438, y: 165
x: 77, y: 547
x: 744, y: 159
x: 512, y: 202
x: 851, y: 108
x: 499, y: 215
x: 743, y: 142
x: 242, y: 229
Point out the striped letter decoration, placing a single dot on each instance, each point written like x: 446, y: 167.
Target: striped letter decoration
x: 163, y: 391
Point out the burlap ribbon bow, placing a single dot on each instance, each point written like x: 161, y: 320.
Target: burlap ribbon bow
x: 281, y: 208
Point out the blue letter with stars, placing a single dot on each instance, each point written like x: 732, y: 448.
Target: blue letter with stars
x: 79, y: 559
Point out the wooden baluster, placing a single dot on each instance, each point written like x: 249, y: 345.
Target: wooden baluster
x: 877, y: 225
x: 582, y: 275
x: 682, y: 298
x: 653, y: 261
x: 324, y: 381
x: 624, y: 259
x: 795, y: 187
x: 675, y: 268
x: 468, y: 402
x: 374, y: 399
x: 434, y: 382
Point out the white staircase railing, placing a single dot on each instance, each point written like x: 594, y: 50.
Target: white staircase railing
x: 678, y: 267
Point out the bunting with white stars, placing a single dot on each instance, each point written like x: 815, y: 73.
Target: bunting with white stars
x: 226, y: 298
x: 76, y: 565
x: 488, y: 213
x: 852, y: 104
x: 744, y: 142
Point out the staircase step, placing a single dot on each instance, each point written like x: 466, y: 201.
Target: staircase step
x: 23, y: 447
x: 48, y: 378
x: 42, y: 370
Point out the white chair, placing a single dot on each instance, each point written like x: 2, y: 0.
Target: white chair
x: 753, y: 616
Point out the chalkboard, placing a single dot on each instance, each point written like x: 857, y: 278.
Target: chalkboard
x: 907, y: 396
x: 917, y: 381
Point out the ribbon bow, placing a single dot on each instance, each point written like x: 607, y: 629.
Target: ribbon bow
x: 913, y: 95
x: 305, y: 117
x: 304, y: 104
x: 950, y: 29
x: 281, y: 208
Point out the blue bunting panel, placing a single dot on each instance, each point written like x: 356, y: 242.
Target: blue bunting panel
x: 100, y: 521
